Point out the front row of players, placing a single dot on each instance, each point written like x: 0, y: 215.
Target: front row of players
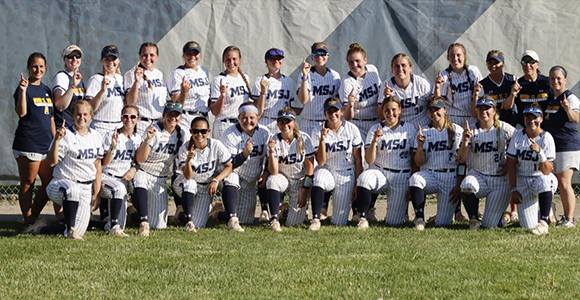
x: 405, y: 162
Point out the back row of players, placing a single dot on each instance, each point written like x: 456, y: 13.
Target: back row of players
x: 411, y: 135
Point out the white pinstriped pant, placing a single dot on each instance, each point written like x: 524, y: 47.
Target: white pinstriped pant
x: 116, y: 188
x: 74, y: 191
x: 379, y: 181
x: 530, y: 187
x: 497, y: 191
x: 247, y: 200
x: 341, y: 183
x: 201, y: 200
x: 156, y: 198
x: 442, y: 183
x: 280, y: 183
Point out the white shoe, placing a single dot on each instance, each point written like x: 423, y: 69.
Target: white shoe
x: 144, y: 229
x: 363, y: 224
x: 419, y: 224
x: 541, y: 229
x: 73, y: 234
x: 514, y: 216
x: 175, y: 218
x: 505, y: 219
x: 189, y: 226
x: 552, y: 217
x: 314, y: 225
x: 36, y: 227
x: 372, y: 215
x: 264, y: 216
x: 275, y: 225
x: 234, y: 225
x: 474, y: 224
x: 117, y: 231
x: 566, y: 223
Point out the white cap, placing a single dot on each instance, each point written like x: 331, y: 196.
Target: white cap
x: 532, y: 54
x: 70, y: 49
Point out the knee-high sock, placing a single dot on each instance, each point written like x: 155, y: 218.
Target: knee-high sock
x: 140, y: 203
x: 326, y: 200
x: 187, y: 202
x: 230, y: 198
x: 364, y: 200
x: 273, y: 197
x: 104, y: 209
x: 263, y: 198
x: 471, y: 204
x: 418, y: 199
x: 69, y: 209
x: 545, y: 202
x: 115, y: 211
x: 317, y: 197
x: 373, y: 200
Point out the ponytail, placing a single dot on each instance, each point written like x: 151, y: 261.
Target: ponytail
x: 450, y: 131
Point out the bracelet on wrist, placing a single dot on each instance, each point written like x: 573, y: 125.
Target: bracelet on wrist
x: 113, y: 147
x: 215, y: 180
x: 303, y: 78
x: 514, y: 189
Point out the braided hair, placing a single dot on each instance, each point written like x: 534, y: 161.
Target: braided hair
x: 449, y: 70
x: 235, y: 48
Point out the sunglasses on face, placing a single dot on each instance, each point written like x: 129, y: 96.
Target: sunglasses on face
x: 198, y: 131
x: 129, y: 116
x: 529, y: 62
x: 71, y: 56
x: 276, y: 52
x: 317, y: 54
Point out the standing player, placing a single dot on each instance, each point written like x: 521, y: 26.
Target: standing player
x: 145, y: 88
x: 412, y: 90
x: 561, y: 121
x: 118, y: 170
x: 529, y: 163
x: 532, y: 88
x: 498, y: 86
x: 247, y: 143
x: 76, y: 155
x: 204, y: 163
x: 155, y: 157
x: 273, y: 90
x: 485, y: 144
x: 359, y: 90
x: 388, y: 153
x: 456, y: 84
x: 291, y: 164
x: 436, y: 154
x: 337, y: 147
x: 105, y: 92
x: 68, y: 85
x: 228, y: 91
x: 33, y: 104
x: 188, y: 84
x: 315, y: 86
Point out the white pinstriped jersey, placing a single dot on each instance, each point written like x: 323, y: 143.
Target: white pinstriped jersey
x: 236, y: 95
x: 339, y: 146
x: 123, y: 155
x: 113, y: 101
x: 413, y: 99
x: 320, y: 88
x: 485, y: 154
x: 77, y: 155
x: 519, y: 149
x: 198, y: 95
x: 394, y: 147
x: 290, y: 161
x: 163, y: 151
x: 366, y: 90
x: 439, y: 154
x: 151, y: 100
x: 463, y: 85
x: 279, y: 94
x: 207, y: 162
x: 62, y: 81
x: 235, y: 139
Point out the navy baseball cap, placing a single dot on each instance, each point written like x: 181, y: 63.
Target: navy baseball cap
x: 536, y: 111
x: 274, y: 52
x: 319, y: 48
x: 285, y: 115
x: 191, y: 46
x: 332, y: 102
x: 172, y: 107
x: 436, y: 102
x: 110, y: 50
x: 494, y: 55
x: 485, y: 102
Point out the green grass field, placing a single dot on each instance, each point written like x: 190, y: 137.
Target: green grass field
x: 334, y: 263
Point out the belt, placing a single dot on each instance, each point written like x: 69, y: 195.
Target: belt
x: 442, y: 170
x: 397, y: 171
x: 118, y: 177
x: 373, y: 119
x: 192, y: 112
x: 147, y: 119
x: 154, y: 175
x: 108, y: 122
x: 229, y: 120
x: 314, y: 120
x: 84, y: 182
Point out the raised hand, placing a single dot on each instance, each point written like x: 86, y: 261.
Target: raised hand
x: 248, y: 148
x: 138, y: 72
x: 388, y: 90
x: 467, y: 133
x: 534, y: 146
x: 565, y: 104
x: 77, y: 77
x: 420, y: 138
x: 23, y: 85
x: 378, y: 133
x: 272, y: 145
x: 151, y: 131
x: 223, y: 88
x: 105, y: 83
x: 324, y: 131
x: 516, y: 88
x: 264, y: 85
x: 477, y: 88
x: 305, y: 68
x: 185, y: 85
x: 352, y: 97
x: 61, y: 132
x: 439, y: 80
x: 115, y: 138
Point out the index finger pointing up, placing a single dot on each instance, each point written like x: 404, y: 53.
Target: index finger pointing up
x: 21, y: 76
x: 420, y: 131
x: 466, y: 125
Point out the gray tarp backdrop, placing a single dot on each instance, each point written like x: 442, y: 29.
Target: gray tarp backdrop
x: 421, y: 28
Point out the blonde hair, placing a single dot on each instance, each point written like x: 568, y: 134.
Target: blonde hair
x: 449, y: 69
x: 354, y: 48
x: 236, y: 49
x: 401, y: 55
x: 82, y: 102
x: 296, y: 131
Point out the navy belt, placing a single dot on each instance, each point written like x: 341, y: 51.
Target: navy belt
x: 229, y: 120
x: 118, y: 177
x: 397, y: 171
x: 192, y: 112
x: 84, y: 182
x: 147, y: 119
x: 442, y: 170
x: 315, y: 120
x: 108, y: 122
x: 374, y: 119
x: 154, y: 175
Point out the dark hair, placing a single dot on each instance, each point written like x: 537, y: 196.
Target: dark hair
x: 195, y: 120
x: 235, y: 48
x: 559, y: 68
x: 31, y: 58
x: 148, y: 44
x: 133, y: 106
